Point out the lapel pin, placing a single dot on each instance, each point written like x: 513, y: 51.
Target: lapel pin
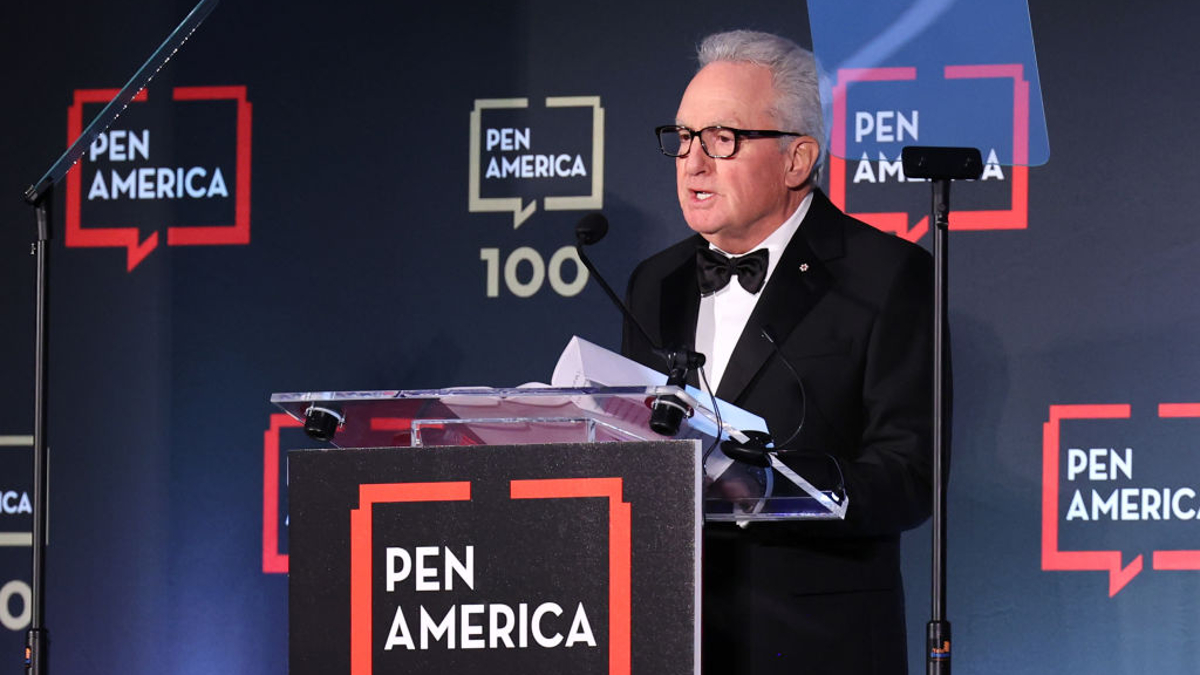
x: 803, y: 267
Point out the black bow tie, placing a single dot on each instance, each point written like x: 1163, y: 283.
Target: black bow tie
x: 714, y: 270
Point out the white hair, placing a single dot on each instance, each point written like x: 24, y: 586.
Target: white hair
x: 794, y: 72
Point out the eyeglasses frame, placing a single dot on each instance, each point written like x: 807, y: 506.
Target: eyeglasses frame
x: 738, y: 134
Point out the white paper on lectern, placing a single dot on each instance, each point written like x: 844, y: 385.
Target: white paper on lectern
x: 583, y: 364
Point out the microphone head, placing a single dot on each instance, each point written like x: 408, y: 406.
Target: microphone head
x: 591, y: 228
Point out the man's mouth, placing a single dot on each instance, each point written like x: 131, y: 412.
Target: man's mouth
x: 702, y: 196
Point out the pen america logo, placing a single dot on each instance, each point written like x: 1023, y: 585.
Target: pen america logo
x: 16, y: 491
x: 16, y: 523
x: 877, y: 111
x: 552, y: 150
x: 436, y: 600
x: 1106, y: 478
x: 520, y: 153
x: 177, y: 161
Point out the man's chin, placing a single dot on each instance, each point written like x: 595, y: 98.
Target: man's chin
x: 704, y: 227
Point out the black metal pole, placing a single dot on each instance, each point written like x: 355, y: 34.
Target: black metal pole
x: 40, y: 196
x: 938, y: 629
x: 940, y: 165
x: 38, y: 636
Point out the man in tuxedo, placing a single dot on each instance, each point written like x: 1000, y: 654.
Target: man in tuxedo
x: 850, y: 309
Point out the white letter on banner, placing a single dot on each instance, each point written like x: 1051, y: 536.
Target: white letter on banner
x: 139, y: 146
x: 581, y: 630
x: 146, y: 178
x: 394, y: 576
x: 1076, y: 461
x: 166, y: 184
x: 399, y: 634
x: 1181, y: 513
x: 863, y: 123
x: 194, y: 190
x: 99, y: 146
x: 438, y: 630
x: 426, y: 574
x: 471, y: 634
x: 116, y: 145
x: 98, y: 189
x: 542, y: 610
x: 1102, y: 506
x: 465, y: 572
x: 1077, y: 509
x: 124, y: 187
x: 1151, y: 501
x: 1121, y: 464
x: 217, y: 187
x: 7, y: 591
x: 907, y: 124
x: 863, y: 172
x: 500, y: 631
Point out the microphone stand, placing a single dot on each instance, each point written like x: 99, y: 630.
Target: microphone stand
x: 40, y: 196
x: 940, y: 166
x: 37, y: 637
x: 667, y: 411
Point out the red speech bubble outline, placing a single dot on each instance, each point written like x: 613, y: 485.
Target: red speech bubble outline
x: 76, y: 236
x: 1179, y: 560
x: 239, y: 232
x: 127, y: 237
x: 273, y: 562
x: 619, y: 557
x: 1054, y: 559
x: 361, y: 534
x: 1016, y: 217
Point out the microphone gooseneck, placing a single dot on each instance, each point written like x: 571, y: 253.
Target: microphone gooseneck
x: 667, y: 412
x: 590, y: 229
x: 770, y: 337
x: 755, y: 451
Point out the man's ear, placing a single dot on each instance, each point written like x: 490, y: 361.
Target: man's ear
x: 802, y: 156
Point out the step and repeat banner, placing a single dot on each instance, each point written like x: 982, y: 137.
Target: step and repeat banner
x: 364, y: 195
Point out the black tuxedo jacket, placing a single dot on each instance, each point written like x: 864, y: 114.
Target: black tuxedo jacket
x: 851, y: 308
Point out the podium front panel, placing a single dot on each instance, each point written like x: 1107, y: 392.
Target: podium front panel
x: 578, y: 558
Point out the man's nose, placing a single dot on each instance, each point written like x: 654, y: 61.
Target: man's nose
x: 696, y: 161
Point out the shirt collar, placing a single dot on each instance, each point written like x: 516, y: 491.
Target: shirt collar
x: 777, y: 241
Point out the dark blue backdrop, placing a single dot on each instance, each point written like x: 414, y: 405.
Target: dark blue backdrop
x: 365, y: 268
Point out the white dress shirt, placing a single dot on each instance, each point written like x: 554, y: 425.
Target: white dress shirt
x: 723, y: 314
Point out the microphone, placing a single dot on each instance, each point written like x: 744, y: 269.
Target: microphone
x: 667, y: 412
x: 321, y: 422
x: 591, y: 229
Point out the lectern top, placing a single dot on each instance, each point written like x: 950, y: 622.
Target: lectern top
x: 478, y: 416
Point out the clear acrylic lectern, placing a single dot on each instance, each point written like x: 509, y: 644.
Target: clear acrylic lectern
x: 734, y: 491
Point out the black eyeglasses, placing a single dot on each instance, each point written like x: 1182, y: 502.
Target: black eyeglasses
x: 718, y: 142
